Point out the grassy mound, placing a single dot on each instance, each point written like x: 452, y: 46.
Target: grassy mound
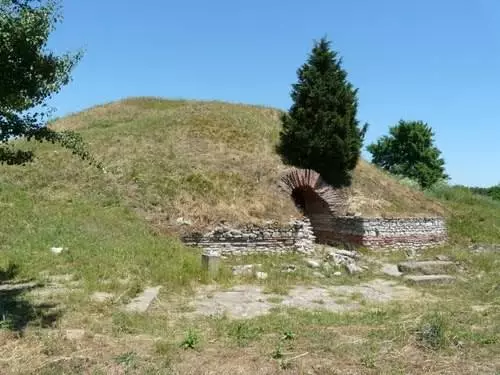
x: 211, y: 161
x: 203, y: 161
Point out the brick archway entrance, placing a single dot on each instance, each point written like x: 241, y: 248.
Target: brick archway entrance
x: 315, y: 198
x: 309, y: 202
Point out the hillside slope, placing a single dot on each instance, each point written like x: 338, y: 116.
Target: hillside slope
x: 203, y: 161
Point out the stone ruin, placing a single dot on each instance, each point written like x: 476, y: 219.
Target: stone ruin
x: 325, y: 221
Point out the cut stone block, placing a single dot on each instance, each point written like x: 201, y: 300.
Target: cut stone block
x: 353, y: 268
x: 391, y: 270
x: 101, y: 297
x: 261, y: 275
x: 210, y: 262
x: 50, y: 291
x: 74, y: 334
x: 430, y: 279
x: 61, y: 278
x: 142, y: 302
x: 244, y: 270
x: 313, y: 263
x: 17, y: 287
x: 428, y: 267
x: 442, y: 257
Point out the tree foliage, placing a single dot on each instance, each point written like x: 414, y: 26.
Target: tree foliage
x: 409, y: 151
x: 29, y: 75
x: 320, y: 130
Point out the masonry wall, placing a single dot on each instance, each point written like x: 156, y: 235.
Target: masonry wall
x: 251, y: 239
x: 408, y: 233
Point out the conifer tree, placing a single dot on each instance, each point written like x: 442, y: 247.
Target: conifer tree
x: 320, y: 130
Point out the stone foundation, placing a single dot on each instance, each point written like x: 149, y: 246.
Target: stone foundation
x: 326, y: 208
x: 297, y: 236
x: 327, y: 222
x: 376, y: 233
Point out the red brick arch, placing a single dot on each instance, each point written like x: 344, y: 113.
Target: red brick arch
x: 312, y: 194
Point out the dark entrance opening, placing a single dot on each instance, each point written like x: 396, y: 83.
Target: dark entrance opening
x: 315, y: 208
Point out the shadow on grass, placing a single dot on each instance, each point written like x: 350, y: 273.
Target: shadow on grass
x: 16, y: 312
x: 9, y: 273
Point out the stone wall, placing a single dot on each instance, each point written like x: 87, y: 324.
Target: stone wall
x: 327, y: 222
x: 251, y: 239
x: 300, y: 235
x: 407, y: 233
x: 326, y: 209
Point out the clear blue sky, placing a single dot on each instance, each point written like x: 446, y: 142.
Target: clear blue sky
x: 431, y: 60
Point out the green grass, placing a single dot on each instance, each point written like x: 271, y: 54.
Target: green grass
x: 472, y: 218
x: 101, y: 242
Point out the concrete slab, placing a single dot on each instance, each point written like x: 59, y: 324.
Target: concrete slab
x: 430, y: 279
x: 427, y: 267
x: 18, y: 287
x: 391, y: 270
x: 142, y: 302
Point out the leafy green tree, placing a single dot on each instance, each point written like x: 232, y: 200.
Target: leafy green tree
x: 29, y: 75
x: 409, y: 151
x: 320, y: 130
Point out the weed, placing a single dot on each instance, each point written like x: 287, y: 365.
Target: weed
x: 167, y: 351
x: 432, y: 331
x: 368, y: 360
x: 278, y: 351
x: 123, y: 323
x: 285, y: 365
x: 6, y: 323
x: 288, y: 335
x: 127, y: 359
x: 191, y: 340
x: 244, y: 332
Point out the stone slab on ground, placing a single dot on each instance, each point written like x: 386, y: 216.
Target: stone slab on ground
x: 143, y: 301
x: 245, y: 269
x: 248, y: 301
x: 430, y: 279
x: 74, y: 334
x: 353, y: 268
x: 10, y: 287
x: 480, y: 308
x: 261, y: 275
x: 50, y: 291
x: 426, y: 267
x: 313, y: 263
x: 391, y: 270
x: 442, y: 257
x: 60, y: 278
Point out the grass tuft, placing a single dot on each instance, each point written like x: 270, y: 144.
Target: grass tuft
x: 431, y: 332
